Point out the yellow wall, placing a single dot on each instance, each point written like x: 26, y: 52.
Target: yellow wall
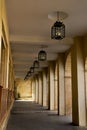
x: 23, y: 89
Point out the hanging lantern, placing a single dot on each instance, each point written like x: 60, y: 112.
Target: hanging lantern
x: 58, y: 30
x: 26, y: 77
x: 36, y: 64
x: 32, y: 69
x: 42, y: 56
x: 29, y: 73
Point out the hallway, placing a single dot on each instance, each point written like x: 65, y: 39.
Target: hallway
x: 32, y: 116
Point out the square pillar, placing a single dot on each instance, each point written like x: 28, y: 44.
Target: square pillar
x: 33, y: 90
x: 40, y: 88
x: 37, y: 90
x: 0, y: 35
x: 56, y: 86
x: 61, y: 94
x: 78, y: 84
x: 45, y: 88
x: 51, y: 85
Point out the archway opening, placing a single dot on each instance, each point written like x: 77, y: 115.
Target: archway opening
x: 23, y: 90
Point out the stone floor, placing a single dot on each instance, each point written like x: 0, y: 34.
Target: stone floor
x: 31, y: 116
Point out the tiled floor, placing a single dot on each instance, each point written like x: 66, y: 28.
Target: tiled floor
x: 31, y: 116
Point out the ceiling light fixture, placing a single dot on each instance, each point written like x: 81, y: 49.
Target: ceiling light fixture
x: 42, y: 55
x: 36, y: 64
x: 58, y: 28
x: 29, y: 73
x: 32, y: 69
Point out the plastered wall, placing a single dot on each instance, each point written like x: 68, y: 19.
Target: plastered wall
x: 23, y: 89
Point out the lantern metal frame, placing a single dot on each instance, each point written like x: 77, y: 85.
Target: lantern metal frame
x: 32, y: 69
x: 42, y: 55
x: 58, y: 28
x: 29, y: 73
x: 36, y: 64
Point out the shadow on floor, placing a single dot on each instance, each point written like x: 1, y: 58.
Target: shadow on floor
x: 31, y: 116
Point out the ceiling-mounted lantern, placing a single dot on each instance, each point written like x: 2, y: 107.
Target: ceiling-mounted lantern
x: 36, y: 64
x: 26, y: 77
x: 58, y: 30
x: 42, y: 56
x: 32, y: 69
x: 29, y: 73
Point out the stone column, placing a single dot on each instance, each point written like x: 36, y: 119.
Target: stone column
x: 78, y: 84
x: 33, y: 90
x: 40, y: 88
x: 36, y: 86
x: 48, y: 89
x: 61, y: 105
x: 51, y: 85
x: 56, y: 86
x: 0, y: 36
x: 45, y: 88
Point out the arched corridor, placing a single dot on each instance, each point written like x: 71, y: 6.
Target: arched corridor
x: 43, y: 81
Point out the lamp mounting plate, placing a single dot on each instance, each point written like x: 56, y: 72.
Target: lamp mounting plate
x: 54, y: 15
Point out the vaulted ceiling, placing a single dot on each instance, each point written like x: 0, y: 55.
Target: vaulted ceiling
x: 30, y: 27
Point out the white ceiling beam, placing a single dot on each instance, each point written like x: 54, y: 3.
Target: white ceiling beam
x: 38, y: 39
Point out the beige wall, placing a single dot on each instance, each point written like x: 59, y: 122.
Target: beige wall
x: 23, y: 89
x: 6, y: 69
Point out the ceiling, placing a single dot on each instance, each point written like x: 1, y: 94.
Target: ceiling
x: 29, y: 28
